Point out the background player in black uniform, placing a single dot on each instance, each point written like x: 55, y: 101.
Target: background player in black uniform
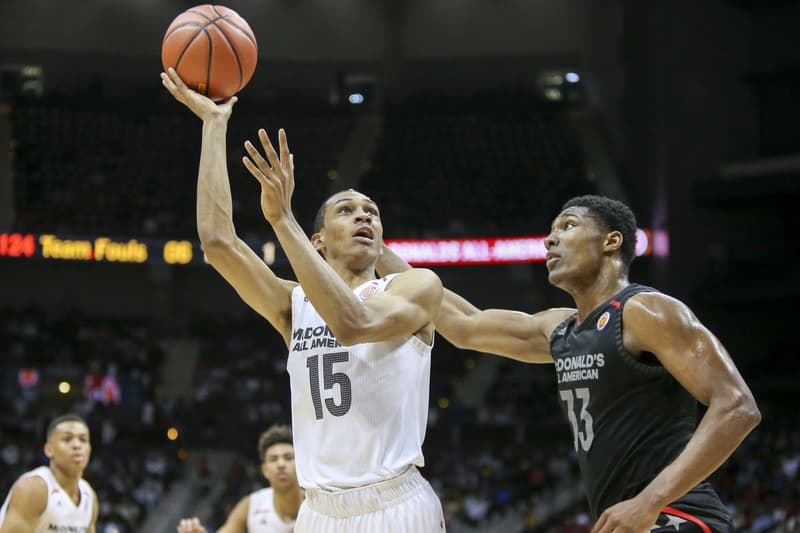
x: 630, y: 363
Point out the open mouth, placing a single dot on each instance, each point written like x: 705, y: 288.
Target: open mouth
x: 364, y: 234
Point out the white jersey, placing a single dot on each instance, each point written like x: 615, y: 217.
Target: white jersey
x: 61, y: 513
x: 358, y: 412
x: 261, y: 514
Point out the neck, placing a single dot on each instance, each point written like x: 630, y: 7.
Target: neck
x: 66, y: 481
x: 287, y: 502
x: 588, y: 298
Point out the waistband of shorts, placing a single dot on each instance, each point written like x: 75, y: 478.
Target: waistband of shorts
x: 367, y: 499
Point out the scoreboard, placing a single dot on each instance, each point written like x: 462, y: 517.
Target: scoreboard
x: 100, y: 249
x: 420, y: 252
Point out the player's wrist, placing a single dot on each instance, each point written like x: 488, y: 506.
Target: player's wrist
x: 654, y: 498
x: 283, y: 221
x: 215, y: 117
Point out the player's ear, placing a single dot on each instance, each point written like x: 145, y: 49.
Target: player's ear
x: 318, y: 241
x: 48, y: 450
x: 613, y: 241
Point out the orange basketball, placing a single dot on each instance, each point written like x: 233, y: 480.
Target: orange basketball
x: 213, y: 50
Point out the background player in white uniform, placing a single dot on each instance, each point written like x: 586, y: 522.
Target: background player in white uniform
x: 361, y: 406
x: 55, y: 497
x: 269, y: 510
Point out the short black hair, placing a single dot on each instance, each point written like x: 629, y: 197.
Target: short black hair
x: 69, y: 417
x: 614, y: 216
x: 276, y: 434
x: 319, y: 218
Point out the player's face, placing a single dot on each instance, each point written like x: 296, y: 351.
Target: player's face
x: 69, y: 448
x: 278, y: 466
x: 574, y: 247
x: 352, y: 225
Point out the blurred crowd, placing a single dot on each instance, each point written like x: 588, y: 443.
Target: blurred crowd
x: 502, y: 463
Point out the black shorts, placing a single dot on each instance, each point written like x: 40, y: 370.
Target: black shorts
x: 672, y: 520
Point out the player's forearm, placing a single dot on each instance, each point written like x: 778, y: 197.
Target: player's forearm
x: 214, y: 203
x: 342, y: 311
x: 717, y: 436
x: 453, y: 317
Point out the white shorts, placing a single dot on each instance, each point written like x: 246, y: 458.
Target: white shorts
x: 404, y: 504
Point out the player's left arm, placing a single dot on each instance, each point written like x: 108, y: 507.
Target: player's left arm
x: 668, y: 329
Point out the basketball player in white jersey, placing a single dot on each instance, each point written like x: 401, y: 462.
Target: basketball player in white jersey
x: 55, y: 497
x: 359, y: 347
x: 272, y: 509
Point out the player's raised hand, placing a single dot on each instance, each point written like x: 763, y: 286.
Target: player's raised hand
x: 190, y: 525
x: 275, y: 173
x: 202, y: 106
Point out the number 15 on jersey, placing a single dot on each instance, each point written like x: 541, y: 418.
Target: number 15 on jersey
x: 329, y: 380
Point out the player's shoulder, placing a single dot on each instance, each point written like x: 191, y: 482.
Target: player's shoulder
x: 546, y: 323
x: 554, y: 315
x: 417, y: 280
x: 655, y: 308
x: 30, y: 492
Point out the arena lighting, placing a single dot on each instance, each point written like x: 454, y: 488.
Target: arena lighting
x: 572, y: 77
x: 127, y: 250
x: 356, y: 98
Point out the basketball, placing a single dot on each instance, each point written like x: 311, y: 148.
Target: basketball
x: 212, y: 49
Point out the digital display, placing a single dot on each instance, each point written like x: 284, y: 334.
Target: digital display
x: 422, y: 252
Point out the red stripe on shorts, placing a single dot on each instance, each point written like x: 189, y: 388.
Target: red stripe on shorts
x: 675, y: 512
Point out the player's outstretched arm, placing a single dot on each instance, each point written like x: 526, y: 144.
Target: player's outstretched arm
x: 667, y: 328
x: 257, y: 285
x: 28, y: 502
x: 512, y: 334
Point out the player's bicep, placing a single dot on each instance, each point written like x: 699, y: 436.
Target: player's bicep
x: 255, y: 282
x: 409, y: 303
x: 27, y: 503
x: 669, y: 330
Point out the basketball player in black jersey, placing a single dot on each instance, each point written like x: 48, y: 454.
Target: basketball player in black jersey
x: 630, y: 363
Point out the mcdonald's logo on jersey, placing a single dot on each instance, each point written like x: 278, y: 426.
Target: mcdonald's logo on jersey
x: 603, y: 321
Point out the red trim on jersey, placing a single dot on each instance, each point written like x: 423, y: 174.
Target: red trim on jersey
x: 615, y: 303
x: 675, y: 512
